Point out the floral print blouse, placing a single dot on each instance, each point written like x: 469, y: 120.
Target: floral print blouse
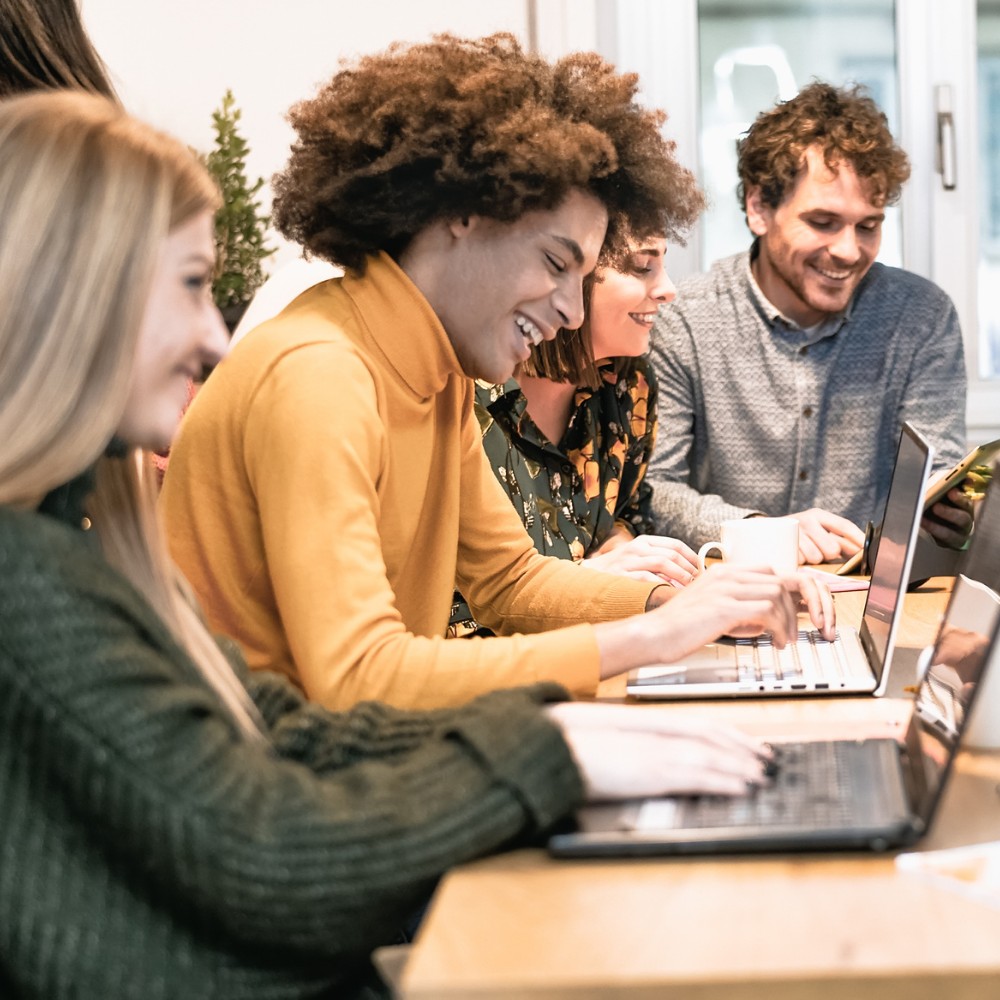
x: 571, y: 495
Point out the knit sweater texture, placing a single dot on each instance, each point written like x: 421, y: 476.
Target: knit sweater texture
x: 758, y: 415
x: 328, y: 491
x: 146, y: 851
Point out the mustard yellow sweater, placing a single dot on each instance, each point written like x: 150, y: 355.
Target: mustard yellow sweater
x: 327, y: 492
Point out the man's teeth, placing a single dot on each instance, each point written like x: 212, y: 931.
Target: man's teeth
x: 836, y: 275
x: 529, y: 330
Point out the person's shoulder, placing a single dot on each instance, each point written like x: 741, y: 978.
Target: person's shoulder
x: 901, y: 287
x: 281, y: 289
x: 314, y: 341
x: 51, y: 569
x: 321, y: 318
x: 701, y: 298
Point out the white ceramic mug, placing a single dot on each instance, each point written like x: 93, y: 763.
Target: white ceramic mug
x: 758, y: 541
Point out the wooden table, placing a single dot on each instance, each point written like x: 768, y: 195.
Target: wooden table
x: 773, y: 928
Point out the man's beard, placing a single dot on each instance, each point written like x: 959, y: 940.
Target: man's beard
x: 796, y: 279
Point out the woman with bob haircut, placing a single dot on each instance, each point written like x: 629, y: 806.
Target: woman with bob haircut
x: 173, y: 826
x: 328, y: 490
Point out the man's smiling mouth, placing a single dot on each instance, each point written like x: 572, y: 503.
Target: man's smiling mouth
x: 832, y: 275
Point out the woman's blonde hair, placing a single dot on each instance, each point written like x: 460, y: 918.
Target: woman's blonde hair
x: 87, y: 197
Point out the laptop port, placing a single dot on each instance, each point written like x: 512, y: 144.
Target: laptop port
x: 800, y: 687
x: 821, y: 685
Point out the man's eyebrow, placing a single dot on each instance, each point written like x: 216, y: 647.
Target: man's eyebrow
x: 572, y: 246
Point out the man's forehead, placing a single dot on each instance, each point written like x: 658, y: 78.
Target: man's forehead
x: 822, y: 182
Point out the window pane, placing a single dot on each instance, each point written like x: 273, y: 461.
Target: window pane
x: 989, y: 188
x: 753, y: 52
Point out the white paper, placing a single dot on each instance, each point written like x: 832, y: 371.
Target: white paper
x: 972, y: 872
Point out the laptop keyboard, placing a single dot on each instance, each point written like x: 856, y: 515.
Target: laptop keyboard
x: 811, y: 788
x: 811, y: 658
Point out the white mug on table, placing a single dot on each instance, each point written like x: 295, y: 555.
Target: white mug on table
x: 758, y: 541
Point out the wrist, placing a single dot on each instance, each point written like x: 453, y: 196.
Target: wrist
x: 659, y: 595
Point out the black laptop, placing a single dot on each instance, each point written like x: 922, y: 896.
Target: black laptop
x: 874, y: 794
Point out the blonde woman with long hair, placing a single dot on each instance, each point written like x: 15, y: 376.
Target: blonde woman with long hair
x: 170, y: 826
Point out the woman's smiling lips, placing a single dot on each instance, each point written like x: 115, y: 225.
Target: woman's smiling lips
x: 644, y: 319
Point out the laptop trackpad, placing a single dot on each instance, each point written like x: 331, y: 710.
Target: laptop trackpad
x: 714, y: 663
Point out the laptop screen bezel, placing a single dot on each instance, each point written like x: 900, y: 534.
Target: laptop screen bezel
x: 878, y: 664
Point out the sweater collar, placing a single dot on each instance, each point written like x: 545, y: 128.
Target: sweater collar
x: 827, y: 328
x: 401, y: 322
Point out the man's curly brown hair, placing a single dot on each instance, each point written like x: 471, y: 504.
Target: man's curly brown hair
x: 844, y: 121
x: 460, y: 127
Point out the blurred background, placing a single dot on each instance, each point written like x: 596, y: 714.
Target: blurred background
x: 713, y: 65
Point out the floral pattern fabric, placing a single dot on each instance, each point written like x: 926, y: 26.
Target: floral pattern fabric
x: 571, y: 495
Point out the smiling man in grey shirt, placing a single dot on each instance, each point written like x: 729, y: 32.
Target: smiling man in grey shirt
x: 786, y: 372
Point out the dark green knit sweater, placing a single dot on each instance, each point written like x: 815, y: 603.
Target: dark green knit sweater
x: 146, y: 852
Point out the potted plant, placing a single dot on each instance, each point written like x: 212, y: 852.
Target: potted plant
x: 240, y: 228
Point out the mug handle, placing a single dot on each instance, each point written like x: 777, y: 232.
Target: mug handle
x: 704, y: 551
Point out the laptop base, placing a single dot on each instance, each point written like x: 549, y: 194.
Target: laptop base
x: 733, y: 668
x: 828, y: 795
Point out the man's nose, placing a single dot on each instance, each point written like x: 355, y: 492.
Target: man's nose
x: 845, y: 246
x: 568, y: 302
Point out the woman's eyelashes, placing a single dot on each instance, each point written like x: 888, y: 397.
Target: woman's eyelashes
x: 198, y: 283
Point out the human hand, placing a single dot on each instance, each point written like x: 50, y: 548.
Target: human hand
x: 744, y: 601
x: 826, y: 537
x: 648, y: 557
x: 724, y: 600
x: 625, y: 751
x: 952, y: 520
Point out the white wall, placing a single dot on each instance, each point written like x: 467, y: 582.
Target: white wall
x: 172, y: 60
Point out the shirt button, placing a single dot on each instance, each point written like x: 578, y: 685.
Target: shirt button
x: 803, y: 350
x: 803, y: 474
x: 567, y: 470
x: 807, y: 412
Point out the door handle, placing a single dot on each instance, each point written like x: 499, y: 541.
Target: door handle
x: 947, y: 165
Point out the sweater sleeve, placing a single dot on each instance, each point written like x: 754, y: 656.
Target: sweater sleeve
x: 679, y: 509
x: 934, y: 398
x: 320, y: 523
x: 242, y: 843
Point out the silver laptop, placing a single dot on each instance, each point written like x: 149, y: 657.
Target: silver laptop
x: 855, y: 662
x: 875, y: 793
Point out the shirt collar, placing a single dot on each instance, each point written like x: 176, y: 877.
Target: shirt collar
x: 827, y: 328
x: 403, y: 325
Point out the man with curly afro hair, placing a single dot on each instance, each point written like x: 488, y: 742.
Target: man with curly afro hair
x: 329, y: 490
x: 786, y: 373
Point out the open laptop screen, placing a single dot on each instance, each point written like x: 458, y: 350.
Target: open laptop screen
x: 962, y: 650
x: 895, y: 548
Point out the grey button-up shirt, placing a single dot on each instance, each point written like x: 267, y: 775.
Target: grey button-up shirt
x: 756, y: 414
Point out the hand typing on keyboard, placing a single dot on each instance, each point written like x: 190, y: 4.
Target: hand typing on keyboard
x: 628, y: 752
